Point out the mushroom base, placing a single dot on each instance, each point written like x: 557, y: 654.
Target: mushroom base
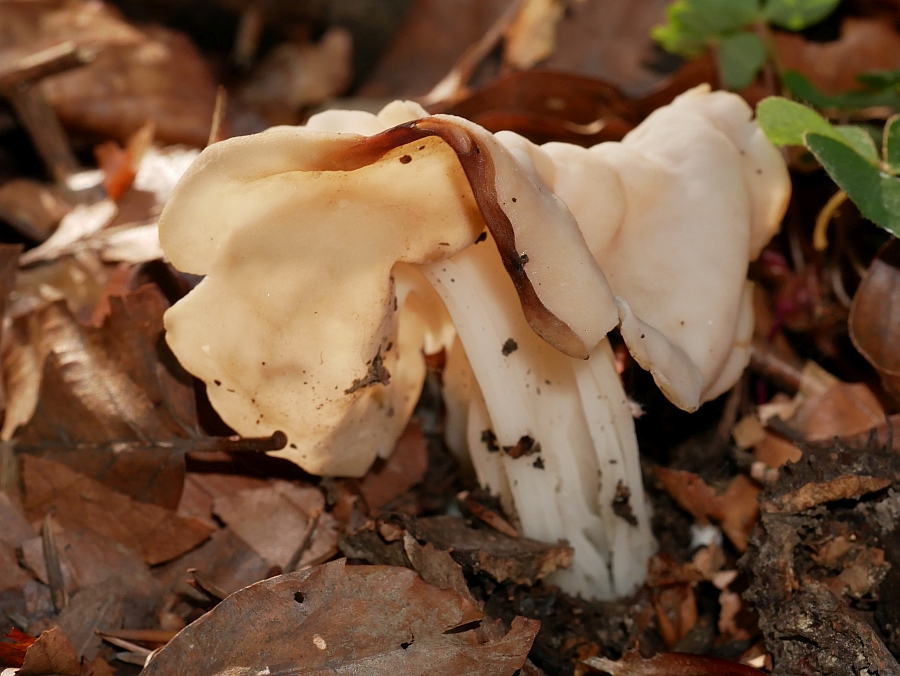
x: 552, y: 435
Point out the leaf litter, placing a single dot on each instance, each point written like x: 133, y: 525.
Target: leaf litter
x: 127, y: 508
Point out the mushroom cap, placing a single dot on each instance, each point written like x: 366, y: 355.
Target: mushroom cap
x: 298, y: 325
x: 673, y: 214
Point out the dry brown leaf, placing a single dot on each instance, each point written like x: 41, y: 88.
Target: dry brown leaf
x: 12, y: 653
x: 736, y: 509
x: 272, y: 521
x: 294, y: 75
x: 730, y: 606
x: 874, y: 325
x: 225, y: 559
x: 87, y: 559
x: 842, y: 410
x: 32, y: 208
x: 739, y: 510
x: 443, y: 29
x: 334, y: 619
x: 690, y: 492
x: 14, y: 527
x: 402, y: 470
x: 864, y: 45
x: 676, y: 612
x: 671, y: 664
x: 51, y: 655
x: 610, y: 40
x: 164, y: 79
x: 11, y: 575
x: 155, y: 533
x: 104, y: 387
x: 774, y: 451
x: 437, y: 567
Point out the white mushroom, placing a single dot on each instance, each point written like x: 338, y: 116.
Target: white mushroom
x: 299, y: 233
x: 313, y: 310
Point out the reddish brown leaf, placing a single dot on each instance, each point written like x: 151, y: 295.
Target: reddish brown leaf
x: 273, y: 519
x: 865, y: 45
x: 51, y: 655
x: 405, y: 468
x: 671, y: 664
x: 103, y: 387
x: 690, y: 492
x: 118, y: 168
x: 157, y: 534
x: 336, y: 619
x: 32, y: 208
x: 844, y: 409
x: 874, y: 325
x: 12, y: 654
x: 738, y: 510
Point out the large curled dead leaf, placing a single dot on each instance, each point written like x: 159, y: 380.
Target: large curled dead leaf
x: 340, y: 619
x: 875, y: 316
x: 155, y: 533
x: 93, y: 390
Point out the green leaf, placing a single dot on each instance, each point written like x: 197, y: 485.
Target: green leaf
x: 875, y: 193
x: 880, y: 79
x: 805, y: 90
x: 860, y: 140
x: 795, y: 15
x: 691, y: 24
x: 741, y: 55
x: 891, y: 145
x: 785, y: 121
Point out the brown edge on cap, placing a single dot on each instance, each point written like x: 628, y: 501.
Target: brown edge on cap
x: 481, y: 174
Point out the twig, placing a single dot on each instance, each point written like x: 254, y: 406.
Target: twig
x: 820, y: 232
x: 54, y: 567
x: 218, y: 117
x: 450, y: 88
x: 20, y: 75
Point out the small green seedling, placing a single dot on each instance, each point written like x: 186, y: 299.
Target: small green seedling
x: 733, y: 27
x: 848, y: 153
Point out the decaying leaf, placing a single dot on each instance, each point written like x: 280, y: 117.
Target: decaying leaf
x: 12, y: 653
x: 32, y: 208
x: 225, y: 559
x: 670, y: 664
x: 501, y: 556
x: 157, y: 534
x: 88, y: 558
x: 736, y: 509
x: 272, y: 520
x: 402, y: 470
x: 336, y: 619
x: 163, y: 78
x: 865, y: 45
x: 51, y: 655
x: 101, y: 388
x: 874, y: 324
x: 298, y: 74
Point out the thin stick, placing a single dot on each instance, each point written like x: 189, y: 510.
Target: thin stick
x: 820, y: 233
x: 54, y: 567
x: 304, y: 541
